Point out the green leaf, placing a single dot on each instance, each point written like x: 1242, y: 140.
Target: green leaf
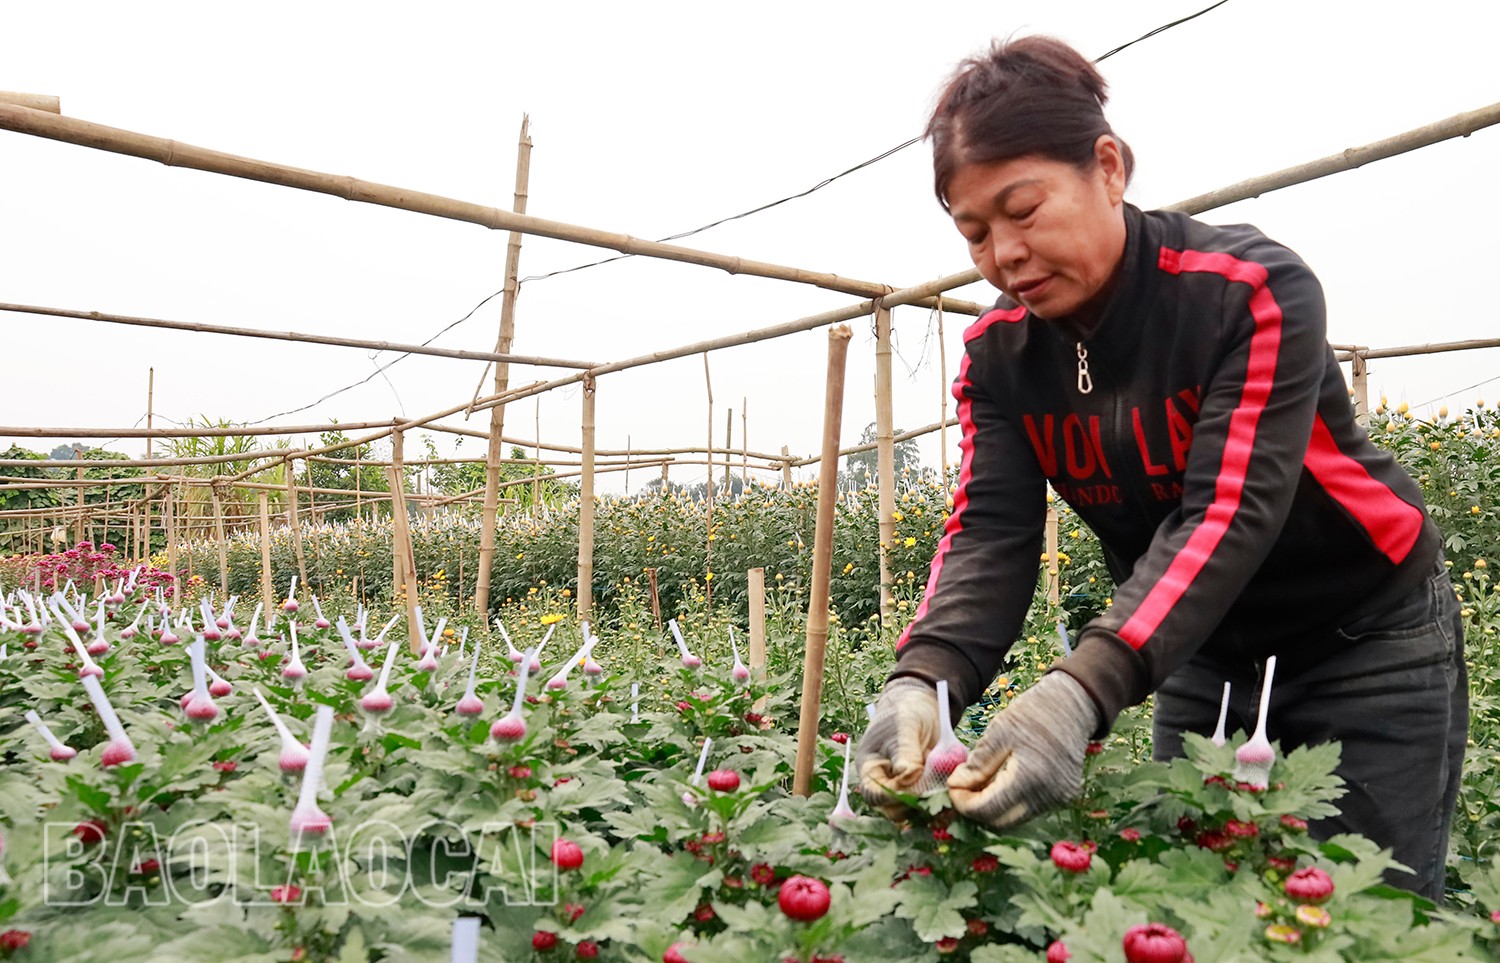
x: 395, y: 740
x: 935, y: 910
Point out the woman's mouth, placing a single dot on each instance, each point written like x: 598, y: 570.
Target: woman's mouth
x: 1031, y: 287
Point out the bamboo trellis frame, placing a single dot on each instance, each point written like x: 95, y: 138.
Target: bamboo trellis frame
x: 27, y: 120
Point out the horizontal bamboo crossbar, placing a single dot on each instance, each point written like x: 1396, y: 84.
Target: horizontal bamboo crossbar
x: 325, y: 339
x: 1459, y: 125
x: 50, y: 104
x: 871, y: 446
x: 1414, y: 349
x: 176, y: 154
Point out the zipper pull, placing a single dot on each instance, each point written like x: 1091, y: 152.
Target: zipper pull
x: 1085, y: 380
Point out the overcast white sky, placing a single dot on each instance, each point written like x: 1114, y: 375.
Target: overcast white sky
x: 651, y: 119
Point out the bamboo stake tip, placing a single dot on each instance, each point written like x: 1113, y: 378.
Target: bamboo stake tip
x: 840, y: 332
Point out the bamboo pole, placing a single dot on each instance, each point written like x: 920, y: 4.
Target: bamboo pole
x: 786, y: 468
x: 871, y: 446
x: 744, y: 445
x: 885, y: 463
x: 187, y: 527
x: 536, y: 473
x: 1054, y: 588
x: 558, y: 476
x: 404, y: 559
x: 502, y: 379
x: 29, y: 431
x: 817, y: 603
x: 586, y: 508
x: 912, y: 295
x: 728, y: 443
x: 1361, y: 390
x: 44, y: 102
x: 943, y: 391
x: 78, y: 525
x: 708, y: 491
x: 757, y: 591
x: 655, y: 598
x: 223, y: 542
x: 294, y: 522
x: 297, y: 336
x: 169, y: 516
x: 176, y: 154
x: 277, y: 458
x: 150, y: 407
x: 1415, y: 349
x: 266, y: 591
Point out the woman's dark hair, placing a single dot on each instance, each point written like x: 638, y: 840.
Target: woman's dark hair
x: 1034, y: 95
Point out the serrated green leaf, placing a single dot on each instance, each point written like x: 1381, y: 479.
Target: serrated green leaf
x: 935, y: 910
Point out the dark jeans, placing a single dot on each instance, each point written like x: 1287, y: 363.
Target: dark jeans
x: 1397, y: 698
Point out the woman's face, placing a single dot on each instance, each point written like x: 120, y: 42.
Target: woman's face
x: 1047, y: 234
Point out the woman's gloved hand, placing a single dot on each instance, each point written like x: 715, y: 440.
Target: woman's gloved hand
x: 894, y: 749
x: 1030, y: 759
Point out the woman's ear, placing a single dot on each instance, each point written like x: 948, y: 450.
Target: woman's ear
x: 1111, y: 163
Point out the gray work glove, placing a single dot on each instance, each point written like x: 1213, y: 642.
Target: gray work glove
x: 894, y: 749
x: 1030, y: 759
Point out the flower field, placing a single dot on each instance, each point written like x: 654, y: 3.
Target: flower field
x: 611, y: 800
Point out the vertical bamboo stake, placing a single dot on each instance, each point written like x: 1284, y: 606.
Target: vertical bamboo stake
x: 1361, y: 390
x: 312, y: 505
x: 150, y: 404
x: 496, y: 448
x: 728, y: 447
x: 757, y: 588
x: 169, y: 517
x: 885, y: 458
x: 405, y: 560
x: 586, y: 505
x: 293, y: 520
x: 627, y: 464
x: 187, y: 528
x: 144, y: 545
x: 78, y: 525
x: 943, y: 392
x: 536, y: 473
x: 786, y: 468
x: 817, y: 602
x: 359, y: 483
x: 265, y: 554
x: 744, y: 445
x: 708, y: 514
x: 213, y: 491
x: 1054, y: 590
x: 655, y: 598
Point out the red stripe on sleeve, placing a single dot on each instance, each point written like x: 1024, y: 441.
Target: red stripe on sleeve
x: 955, y: 523
x: 1260, y: 375
x: 1393, y: 524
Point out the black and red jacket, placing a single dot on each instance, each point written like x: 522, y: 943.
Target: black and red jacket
x: 1240, y: 508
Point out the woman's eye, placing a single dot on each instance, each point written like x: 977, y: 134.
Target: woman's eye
x: 1024, y: 214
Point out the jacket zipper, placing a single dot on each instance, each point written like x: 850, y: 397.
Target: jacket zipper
x: 1085, y: 380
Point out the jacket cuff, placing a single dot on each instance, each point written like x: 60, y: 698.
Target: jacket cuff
x: 1110, y: 671
x: 933, y: 661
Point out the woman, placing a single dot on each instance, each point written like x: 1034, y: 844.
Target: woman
x: 1172, y: 381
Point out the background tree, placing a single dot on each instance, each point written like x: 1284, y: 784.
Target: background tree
x: 861, y: 468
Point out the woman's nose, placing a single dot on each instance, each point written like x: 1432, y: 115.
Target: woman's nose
x: 1007, y: 249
